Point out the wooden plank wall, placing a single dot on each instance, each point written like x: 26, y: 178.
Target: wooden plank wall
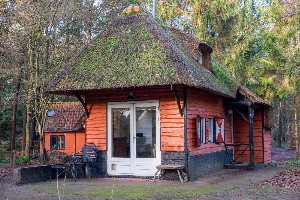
x: 208, y: 105
x: 241, y: 135
x: 267, y: 147
x: 171, y: 122
x: 69, y: 141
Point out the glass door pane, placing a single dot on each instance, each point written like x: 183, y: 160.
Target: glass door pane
x: 121, y: 132
x: 145, y: 132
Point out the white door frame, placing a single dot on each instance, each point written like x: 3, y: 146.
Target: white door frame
x: 132, y: 165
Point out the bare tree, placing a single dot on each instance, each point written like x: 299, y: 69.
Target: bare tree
x: 43, y: 101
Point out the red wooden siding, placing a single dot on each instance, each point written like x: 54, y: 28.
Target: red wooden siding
x: 208, y: 105
x: 69, y: 141
x: 171, y: 122
x: 241, y: 135
x: 267, y: 146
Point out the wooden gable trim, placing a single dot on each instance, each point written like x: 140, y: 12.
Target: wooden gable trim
x: 177, y: 99
x: 240, y: 114
x: 83, y: 103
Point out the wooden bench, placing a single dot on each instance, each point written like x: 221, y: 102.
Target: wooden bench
x: 172, y: 167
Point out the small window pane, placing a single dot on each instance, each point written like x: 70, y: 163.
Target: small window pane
x: 121, y: 132
x: 203, y: 130
x: 51, y: 113
x: 211, y: 130
x: 198, y: 130
x: 146, y: 132
x: 61, y: 142
x: 53, y: 144
x: 200, y: 58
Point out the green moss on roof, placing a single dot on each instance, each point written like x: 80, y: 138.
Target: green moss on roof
x: 128, y: 56
x: 224, y: 80
x: 138, y: 51
x: 218, y: 81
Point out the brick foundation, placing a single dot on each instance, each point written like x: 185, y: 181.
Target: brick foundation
x: 100, y: 170
x: 199, y: 166
x: 204, y: 164
x: 36, y: 174
x: 171, y: 158
x: 101, y: 165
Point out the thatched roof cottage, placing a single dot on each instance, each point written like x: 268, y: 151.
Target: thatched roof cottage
x: 154, y: 95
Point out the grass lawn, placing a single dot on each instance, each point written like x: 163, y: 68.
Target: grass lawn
x: 232, y: 184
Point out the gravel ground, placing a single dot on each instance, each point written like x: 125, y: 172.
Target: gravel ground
x: 280, y: 155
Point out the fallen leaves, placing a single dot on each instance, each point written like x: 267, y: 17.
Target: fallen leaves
x: 286, y: 179
x: 5, y: 172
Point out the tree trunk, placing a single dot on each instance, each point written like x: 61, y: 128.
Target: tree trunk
x: 15, y: 105
x: 89, y: 33
x: 27, y: 147
x: 29, y: 93
x: 280, y: 125
x: 42, y: 138
x: 90, y: 21
x: 296, y: 107
x: 32, y: 127
x: 287, y: 134
x: 24, y: 129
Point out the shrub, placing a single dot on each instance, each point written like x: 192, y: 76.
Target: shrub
x: 294, y: 163
x: 17, y: 145
x: 4, y: 160
x: 24, y: 159
x: 34, y: 147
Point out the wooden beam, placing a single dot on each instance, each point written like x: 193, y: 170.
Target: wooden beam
x: 177, y: 99
x: 75, y: 141
x: 251, y: 141
x: 240, y: 114
x: 82, y: 103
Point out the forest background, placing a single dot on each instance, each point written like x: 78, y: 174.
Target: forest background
x: 258, y: 41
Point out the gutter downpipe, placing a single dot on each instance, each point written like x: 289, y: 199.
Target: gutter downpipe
x: 154, y: 9
x: 186, y: 152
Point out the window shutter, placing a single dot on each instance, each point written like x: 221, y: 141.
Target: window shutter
x: 219, y: 130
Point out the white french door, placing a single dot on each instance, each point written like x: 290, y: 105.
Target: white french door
x: 133, y: 138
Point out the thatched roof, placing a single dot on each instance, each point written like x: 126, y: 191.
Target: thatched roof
x: 252, y: 96
x: 68, y: 116
x: 135, y: 51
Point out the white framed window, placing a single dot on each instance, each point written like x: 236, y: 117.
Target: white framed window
x: 200, y: 58
x: 200, y: 130
x: 211, y: 137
